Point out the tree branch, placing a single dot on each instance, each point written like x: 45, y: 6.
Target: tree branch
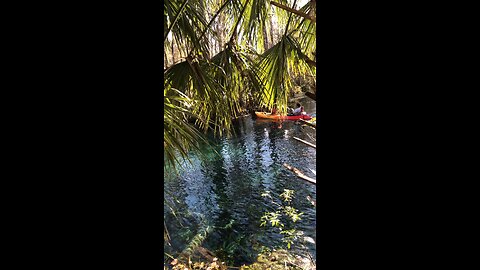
x: 175, y: 19
x: 300, y: 174
x: 299, y: 13
x: 305, y: 142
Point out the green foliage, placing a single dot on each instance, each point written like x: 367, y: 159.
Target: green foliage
x: 273, y: 218
x: 178, y: 135
x: 211, y: 90
x: 231, y: 246
x: 284, y: 218
x: 287, y: 195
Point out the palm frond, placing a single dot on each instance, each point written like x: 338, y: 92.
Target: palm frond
x: 278, y: 65
x: 204, y: 92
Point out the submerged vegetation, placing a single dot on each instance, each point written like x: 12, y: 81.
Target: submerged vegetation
x: 284, y: 217
x: 224, y: 58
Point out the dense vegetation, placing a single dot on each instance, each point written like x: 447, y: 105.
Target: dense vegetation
x: 222, y: 56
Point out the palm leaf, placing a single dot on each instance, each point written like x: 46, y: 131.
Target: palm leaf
x: 203, y: 93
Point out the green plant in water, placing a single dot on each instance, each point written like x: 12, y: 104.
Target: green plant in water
x: 233, y: 247
x: 286, y: 213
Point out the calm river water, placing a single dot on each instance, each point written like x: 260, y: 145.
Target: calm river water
x: 221, y: 193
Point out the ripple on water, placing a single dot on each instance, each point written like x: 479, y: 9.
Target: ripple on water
x: 228, y: 186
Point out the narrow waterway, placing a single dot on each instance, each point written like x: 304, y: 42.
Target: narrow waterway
x: 221, y: 193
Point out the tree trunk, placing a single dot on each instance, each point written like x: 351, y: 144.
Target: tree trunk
x: 165, y: 56
x: 271, y: 31
x: 265, y: 38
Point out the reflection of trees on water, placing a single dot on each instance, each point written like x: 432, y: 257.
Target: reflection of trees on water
x: 227, y: 187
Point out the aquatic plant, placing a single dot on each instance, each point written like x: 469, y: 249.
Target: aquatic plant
x: 284, y: 217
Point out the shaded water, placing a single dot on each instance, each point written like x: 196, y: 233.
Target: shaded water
x: 221, y: 193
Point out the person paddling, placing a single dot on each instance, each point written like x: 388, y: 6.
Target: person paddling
x: 299, y: 110
x: 274, y: 109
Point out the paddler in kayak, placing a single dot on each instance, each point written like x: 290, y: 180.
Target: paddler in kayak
x: 274, y: 109
x: 299, y: 110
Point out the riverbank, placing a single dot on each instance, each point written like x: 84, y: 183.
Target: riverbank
x: 274, y: 260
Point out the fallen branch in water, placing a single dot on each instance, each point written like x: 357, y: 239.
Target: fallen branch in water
x: 166, y: 235
x: 305, y: 142
x: 206, y: 253
x: 299, y: 173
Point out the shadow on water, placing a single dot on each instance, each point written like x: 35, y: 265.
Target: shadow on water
x: 223, y: 192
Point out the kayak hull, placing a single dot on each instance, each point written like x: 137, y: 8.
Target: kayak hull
x: 282, y: 117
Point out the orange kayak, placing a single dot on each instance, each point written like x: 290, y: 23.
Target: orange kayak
x: 282, y: 117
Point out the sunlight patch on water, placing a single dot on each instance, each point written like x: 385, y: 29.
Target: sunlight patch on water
x: 226, y: 188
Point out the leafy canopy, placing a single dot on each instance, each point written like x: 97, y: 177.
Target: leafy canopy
x: 230, y: 57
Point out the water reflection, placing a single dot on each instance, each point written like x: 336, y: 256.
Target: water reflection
x: 226, y: 188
